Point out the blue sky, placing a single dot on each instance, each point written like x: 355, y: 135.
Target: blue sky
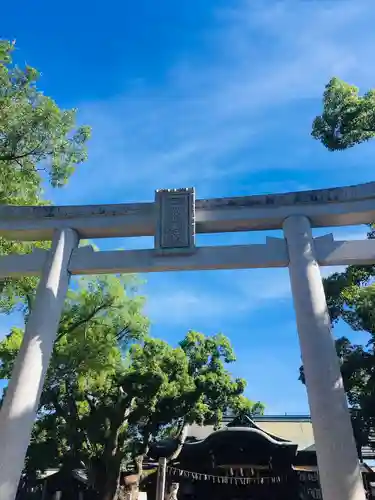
x: 220, y: 96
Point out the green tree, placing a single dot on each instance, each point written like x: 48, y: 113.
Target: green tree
x: 101, y: 319
x: 347, y: 118
x: 38, y: 142
x: 357, y: 369
x: 351, y: 298
x: 35, y: 135
x: 111, y: 390
x: 194, y: 385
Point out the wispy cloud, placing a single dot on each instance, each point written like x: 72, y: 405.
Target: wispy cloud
x: 176, y: 306
x: 175, y: 299
x: 234, y: 117
x: 213, y: 299
x: 256, y: 58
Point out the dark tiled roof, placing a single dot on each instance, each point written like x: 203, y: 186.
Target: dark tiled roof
x: 368, y: 452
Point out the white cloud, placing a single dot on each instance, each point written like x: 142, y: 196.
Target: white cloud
x: 258, y: 58
x: 174, y: 306
x: 255, y: 58
x: 230, y: 294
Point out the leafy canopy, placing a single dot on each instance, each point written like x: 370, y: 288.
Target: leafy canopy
x: 101, y: 318
x: 38, y: 141
x: 35, y: 135
x: 347, y: 118
x: 111, y: 390
x: 351, y: 298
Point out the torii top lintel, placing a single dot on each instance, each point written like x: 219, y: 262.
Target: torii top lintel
x: 340, y: 206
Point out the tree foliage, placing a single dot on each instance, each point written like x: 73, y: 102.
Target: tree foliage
x: 38, y: 142
x: 35, y: 134
x: 101, y: 319
x: 351, y: 298
x: 347, y: 118
x: 111, y: 390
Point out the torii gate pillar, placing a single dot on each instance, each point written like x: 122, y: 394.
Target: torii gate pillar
x: 339, y: 471
x: 20, y: 404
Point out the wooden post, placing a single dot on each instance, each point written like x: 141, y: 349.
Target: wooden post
x: 44, y: 491
x: 160, y: 482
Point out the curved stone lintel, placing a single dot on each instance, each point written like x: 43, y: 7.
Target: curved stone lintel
x: 340, y: 206
x: 358, y: 192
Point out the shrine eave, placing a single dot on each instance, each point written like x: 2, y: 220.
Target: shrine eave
x: 253, y: 439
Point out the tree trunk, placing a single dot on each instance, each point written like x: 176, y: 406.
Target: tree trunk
x: 181, y: 441
x: 109, y: 489
x: 129, y: 491
x: 112, y: 455
x: 139, y: 464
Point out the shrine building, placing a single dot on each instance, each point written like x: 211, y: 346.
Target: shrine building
x: 258, y: 458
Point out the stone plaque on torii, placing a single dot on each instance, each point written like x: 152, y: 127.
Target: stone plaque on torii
x: 173, y: 219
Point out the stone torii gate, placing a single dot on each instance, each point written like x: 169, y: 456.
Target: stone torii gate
x: 173, y: 219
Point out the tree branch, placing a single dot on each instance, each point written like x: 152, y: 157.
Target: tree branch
x: 181, y: 438
x: 73, y: 410
x: 90, y: 403
x: 29, y: 302
x: 122, y: 332
x: 15, y: 157
x: 58, y: 408
x: 84, y: 320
